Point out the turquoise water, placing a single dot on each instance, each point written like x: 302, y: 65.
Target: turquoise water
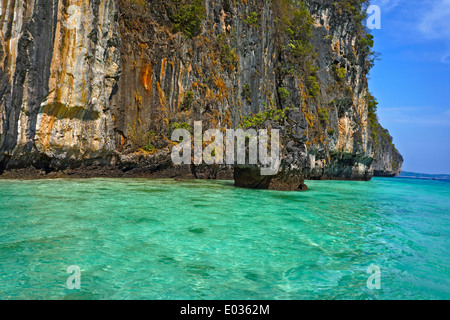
x: 146, y: 239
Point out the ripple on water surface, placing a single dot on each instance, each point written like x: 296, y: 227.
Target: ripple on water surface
x: 147, y: 239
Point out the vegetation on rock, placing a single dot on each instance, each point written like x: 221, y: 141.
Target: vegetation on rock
x: 188, y: 17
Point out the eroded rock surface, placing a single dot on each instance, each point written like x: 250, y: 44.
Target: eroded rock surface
x: 102, y: 84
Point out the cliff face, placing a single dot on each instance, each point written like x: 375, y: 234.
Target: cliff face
x: 104, y: 83
x: 387, y: 160
x: 59, y: 65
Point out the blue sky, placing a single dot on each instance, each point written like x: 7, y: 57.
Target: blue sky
x: 412, y: 80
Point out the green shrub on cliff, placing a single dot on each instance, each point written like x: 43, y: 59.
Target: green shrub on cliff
x: 340, y: 73
x: 149, y: 147
x: 366, y: 43
x: 297, y: 26
x: 188, y: 17
x: 175, y: 125
x: 246, y: 92
x: 228, y: 57
x: 372, y: 106
x: 188, y: 100
x: 313, y: 86
x: 294, y: 35
x: 143, y: 141
x: 357, y: 8
x: 358, y: 11
x: 284, y: 93
x: 323, y: 115
x: 252, y: 19
x: 257, y: 120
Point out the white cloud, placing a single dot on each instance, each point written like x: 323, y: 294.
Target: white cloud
x: 434, y: 22
x: 387, y: 5
x: 434, y: 25
x: 446, y: 58
x: 419, y: 116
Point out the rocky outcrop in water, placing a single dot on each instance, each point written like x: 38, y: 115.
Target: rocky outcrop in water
x: 102, y: 84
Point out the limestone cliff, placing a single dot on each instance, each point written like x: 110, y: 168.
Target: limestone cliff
x: 102, y: 84
x: 59, y: 63
x: 387, y: 159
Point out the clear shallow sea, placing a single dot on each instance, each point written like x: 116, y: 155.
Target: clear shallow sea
x: 147, y: 239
